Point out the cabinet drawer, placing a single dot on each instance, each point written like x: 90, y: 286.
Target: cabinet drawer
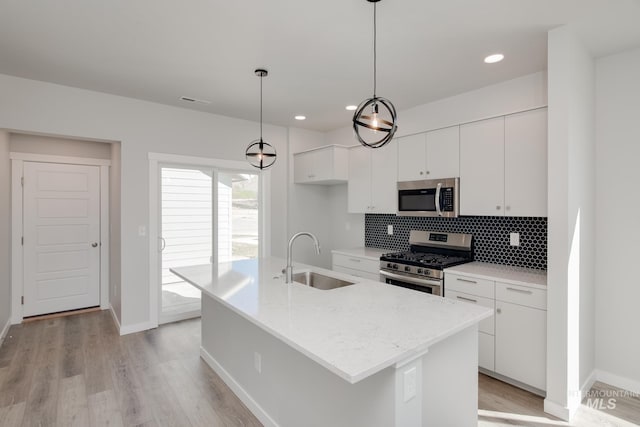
x: 357, y: 273
x: 528, y: 297
x: 357, y: 263
x: 486, y: 351
x: 486, y: 325
x: 469, y: 285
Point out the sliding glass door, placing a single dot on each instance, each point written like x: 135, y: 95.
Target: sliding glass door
x: 206, y: 215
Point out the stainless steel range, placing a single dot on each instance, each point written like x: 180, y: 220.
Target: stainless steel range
x: 420, y: 267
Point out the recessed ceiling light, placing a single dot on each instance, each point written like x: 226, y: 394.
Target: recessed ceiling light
x: 300, y: 117
x: 351, y: 107
x: 492, y: 59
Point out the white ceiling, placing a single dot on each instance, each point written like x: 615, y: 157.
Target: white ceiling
x: 318, y: 53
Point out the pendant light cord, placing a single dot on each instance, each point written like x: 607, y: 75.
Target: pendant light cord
x: 261, y: 107
x: 374, y: 49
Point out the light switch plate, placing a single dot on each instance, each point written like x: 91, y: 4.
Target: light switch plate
x: 514, y: 239
x: 390, y: 229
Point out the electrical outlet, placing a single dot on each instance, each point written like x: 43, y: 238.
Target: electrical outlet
x: 390, y: 229
x: 514, y: 239
x: 257, y: 362
x: 410, y: 384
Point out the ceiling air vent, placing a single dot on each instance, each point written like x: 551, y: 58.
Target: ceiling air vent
x: 194, y: 100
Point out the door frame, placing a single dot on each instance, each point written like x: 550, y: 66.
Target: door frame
x: 17, y: 256
x: 156, y: 161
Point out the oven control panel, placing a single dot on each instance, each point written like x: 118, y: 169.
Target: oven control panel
x: 410, y: 269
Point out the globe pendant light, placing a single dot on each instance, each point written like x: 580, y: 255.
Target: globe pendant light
x: 375, y: 119
x: 260, y: 153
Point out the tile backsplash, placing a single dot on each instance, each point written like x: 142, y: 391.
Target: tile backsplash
x: 491, y: 234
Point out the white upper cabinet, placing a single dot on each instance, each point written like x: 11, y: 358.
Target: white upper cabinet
x: 430, y: 155
x: 482, y: 168
x: 503, y: 165
x: 325, y: 165
x: 443, y: 153
x: 412, y: 157
x: 525, y: 175
x: 372, y: 179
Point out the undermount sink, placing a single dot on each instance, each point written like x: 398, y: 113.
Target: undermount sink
x: 319, y: 281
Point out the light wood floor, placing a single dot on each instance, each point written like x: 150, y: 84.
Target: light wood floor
x: 78, y: 371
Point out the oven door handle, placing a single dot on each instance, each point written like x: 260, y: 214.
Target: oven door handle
x: 415, y: 281
x: 438, y: 188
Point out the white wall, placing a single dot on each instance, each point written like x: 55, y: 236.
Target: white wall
x: 141, y: 127
x: 38, y: 144
x: 5, y: 230
x: 522, y: 93
x: 571, y: 179
x: 308, y: 205
x: 618, y: 216
x: 115, y: 230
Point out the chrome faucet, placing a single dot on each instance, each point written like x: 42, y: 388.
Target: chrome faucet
x: 289, y: 267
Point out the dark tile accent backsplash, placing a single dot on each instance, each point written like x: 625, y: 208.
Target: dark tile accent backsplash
x: 491, y: 234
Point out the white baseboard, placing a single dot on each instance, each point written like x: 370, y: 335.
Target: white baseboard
x: 586, y: 386
x: 115, y: 318
x: 618, y: 381
x: 5, y: 331
x: 253, y: 406
x: 136, y: 327
x: 558, y: 410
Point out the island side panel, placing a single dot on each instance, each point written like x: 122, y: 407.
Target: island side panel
x: 450, y: 381
x: 291, y: 389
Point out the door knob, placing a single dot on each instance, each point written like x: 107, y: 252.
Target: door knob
x: 94, y: 245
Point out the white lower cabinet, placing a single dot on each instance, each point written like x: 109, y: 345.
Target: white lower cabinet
x: 513, y: 342
x: 486, y: 351
x: 356, y: 266
x: 521, y: 334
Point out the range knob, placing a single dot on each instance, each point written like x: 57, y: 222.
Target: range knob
x: 407, y: 268
x: 395, y: 266
x: 419, y: 271
x: 389, y: 265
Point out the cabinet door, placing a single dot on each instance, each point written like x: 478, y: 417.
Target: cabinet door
x: 412, y: 157
x: 521, y: 345
x: 384, y: 176
x: 359, y: 184
x: 482, y: 168
x: 303, y: 167
x: 443, y: 153
x: 525, y: 139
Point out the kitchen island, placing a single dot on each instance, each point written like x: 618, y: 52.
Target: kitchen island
x: 368, y: 354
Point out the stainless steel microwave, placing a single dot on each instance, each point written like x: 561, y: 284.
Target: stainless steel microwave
x: 433, y: 197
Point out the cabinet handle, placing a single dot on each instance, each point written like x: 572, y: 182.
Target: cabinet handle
x: 508, y: 208
x: 521, y: 291
x: 497, y: 207
x: 467, y: 299
x: 498, y: 310
x: 311, y: 176
x: 355, y: 259
x: 428, y: 172
x: 421, y: 173
x: 465, y: 280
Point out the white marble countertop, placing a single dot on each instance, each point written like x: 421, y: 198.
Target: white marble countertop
x: 354, y: 331
x: 501, y: 273
x: 363, y: 252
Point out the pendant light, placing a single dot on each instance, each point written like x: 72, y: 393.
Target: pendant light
x: 375, y: 119
x: 260, y: 153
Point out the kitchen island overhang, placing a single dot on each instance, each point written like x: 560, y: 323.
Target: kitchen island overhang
x: 376, y: 346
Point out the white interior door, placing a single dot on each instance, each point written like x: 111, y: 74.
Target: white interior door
x: 61, y: 237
